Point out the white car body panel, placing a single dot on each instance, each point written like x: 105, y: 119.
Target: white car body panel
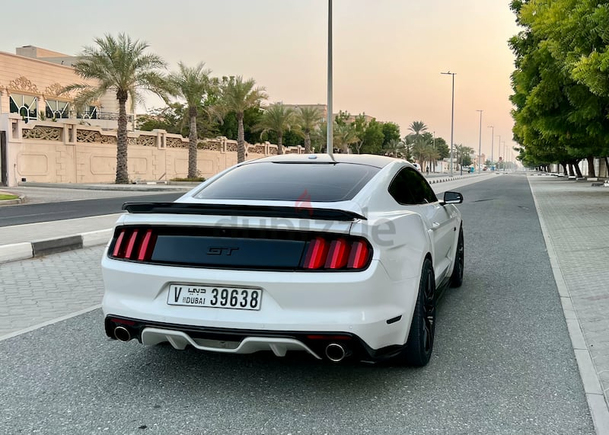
x: 364, y: 303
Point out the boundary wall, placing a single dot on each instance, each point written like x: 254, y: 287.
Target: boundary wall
x: 51, y: 152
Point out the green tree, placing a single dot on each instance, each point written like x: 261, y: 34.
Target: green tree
x: 559, y: 114
x: 238, y: 96
x: 391, y: 133
x: 279, y: 119
x: 417, y: 128
x: 191, y: 84
x: 373, y: 138
x: 229, y: 126
x: 169, y: 118
x: 464, y: 155
x: 308, y: 120
x: 119, y: 65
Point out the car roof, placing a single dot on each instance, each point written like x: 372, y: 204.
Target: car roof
x: 361, y: 159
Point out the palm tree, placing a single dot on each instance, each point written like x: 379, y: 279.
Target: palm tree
x: 344, y: 135
x: 121, y: 66
x: 308, y: 119
x: 237, y: 96
x: 279, y: 119
x: 415, y: 140
x: 191, y: 84
x: 417, y: 128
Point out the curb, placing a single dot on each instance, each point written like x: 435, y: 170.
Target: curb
x: 41, y: 248
x: 161, y: 187
x: 19, y: 200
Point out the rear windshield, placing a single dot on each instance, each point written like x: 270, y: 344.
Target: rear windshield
x: 269, y: 181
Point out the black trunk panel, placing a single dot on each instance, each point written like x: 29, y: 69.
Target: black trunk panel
x: 228, y: 252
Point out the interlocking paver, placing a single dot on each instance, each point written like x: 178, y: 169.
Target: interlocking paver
x: 577, y: 222
x: 37, y: 290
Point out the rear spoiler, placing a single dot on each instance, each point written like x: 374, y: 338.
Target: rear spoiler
x: 241, y: 210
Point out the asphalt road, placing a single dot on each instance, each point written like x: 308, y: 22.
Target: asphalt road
x: 46, y: 206
x: 503, y: 362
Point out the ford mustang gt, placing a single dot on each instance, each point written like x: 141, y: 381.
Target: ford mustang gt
x: 339, y: 257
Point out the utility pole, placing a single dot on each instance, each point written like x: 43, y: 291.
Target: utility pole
x: 452, y: 121
x: 480, y: 143
x: 330, y: 121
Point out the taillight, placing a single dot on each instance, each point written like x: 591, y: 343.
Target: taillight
x: 358, y: 256
x: 337, y: 254
x: 134, y: 244
x: 316, y: 253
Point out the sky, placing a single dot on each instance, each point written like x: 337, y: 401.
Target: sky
x: 388, y: 54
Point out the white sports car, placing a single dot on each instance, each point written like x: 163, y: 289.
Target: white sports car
x: 339, y: 257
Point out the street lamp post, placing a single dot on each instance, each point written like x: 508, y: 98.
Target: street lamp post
x: 480, y: 143
x: 452, y: 120
x: 330, y: 121
x: 492, y: 141
x: 499, y: 147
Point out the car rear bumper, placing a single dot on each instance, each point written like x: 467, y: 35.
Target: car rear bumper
x: 367, y: 306
x: 320, y: 345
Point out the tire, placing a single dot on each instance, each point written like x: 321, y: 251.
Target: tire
x: 456, y: 279
x: 419, y: 346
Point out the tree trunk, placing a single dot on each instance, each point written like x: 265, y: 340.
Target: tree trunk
x: 307, y: 141
x: 192, y: 143
x: 591, y: 171
x: 122, y: 174
x: 564, y: 168
x: 606, y: 167
x: 279, y: 143
x: 571, y: 172
x: 240, y: 139
x: 577, y: 170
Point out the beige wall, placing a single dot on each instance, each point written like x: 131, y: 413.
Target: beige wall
x: 51, y: 152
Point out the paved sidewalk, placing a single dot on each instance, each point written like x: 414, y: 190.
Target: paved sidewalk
x: 575, y: 220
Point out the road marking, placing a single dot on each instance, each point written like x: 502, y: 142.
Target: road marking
x: 49, y: 322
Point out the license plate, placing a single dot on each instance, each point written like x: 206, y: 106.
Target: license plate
x: 214, y: 297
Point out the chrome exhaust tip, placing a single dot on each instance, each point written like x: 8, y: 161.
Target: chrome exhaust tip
x: 336, y: 352
x: 122, y: 334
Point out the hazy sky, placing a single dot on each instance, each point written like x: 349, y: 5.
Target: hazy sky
x: 388, y: 54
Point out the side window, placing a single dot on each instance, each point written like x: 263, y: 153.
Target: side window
x: 410, y: 188
x: 427, y: 195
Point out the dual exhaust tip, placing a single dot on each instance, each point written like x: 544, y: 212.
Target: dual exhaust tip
x: 122, y: 334
x: 334, y: 352
x: 337, y: 352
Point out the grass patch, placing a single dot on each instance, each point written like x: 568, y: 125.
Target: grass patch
x: 7, y: 196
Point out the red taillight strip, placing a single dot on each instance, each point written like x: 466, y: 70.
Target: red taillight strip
x: 131, y: 244
x: 359, y: 255
x: 338, y: 254
x: 144, y: 251
x: 316, y: 254
x: 117, y: 245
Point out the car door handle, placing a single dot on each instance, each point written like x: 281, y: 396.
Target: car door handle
x: 435, y: 225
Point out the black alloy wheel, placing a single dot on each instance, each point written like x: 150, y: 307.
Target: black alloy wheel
x: 456, y: 279
x: 419, y: 346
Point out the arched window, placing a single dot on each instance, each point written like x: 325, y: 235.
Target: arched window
x: 24, y: 105
x: 57, y: 109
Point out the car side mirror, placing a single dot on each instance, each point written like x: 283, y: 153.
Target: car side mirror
x: 452, y: 198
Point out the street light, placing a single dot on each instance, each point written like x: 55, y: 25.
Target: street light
x: 492, y: 141
x: 499, y: 147
x: 480, y: 142
x: 452, y: 120
x: 330, y: 121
